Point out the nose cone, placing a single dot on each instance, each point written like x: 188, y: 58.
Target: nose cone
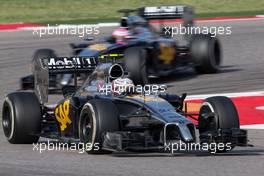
x: 185, y: 133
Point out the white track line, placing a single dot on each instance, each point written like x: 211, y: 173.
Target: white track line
x: 241, y: 19
x: 260, y: 108
x: 239, y: 94
x: 71, y: 26
x: 258, y: 17
x: 255, y: 127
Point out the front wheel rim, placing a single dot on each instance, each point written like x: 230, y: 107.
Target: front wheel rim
x: 212, y: 125
x: 87, y: 129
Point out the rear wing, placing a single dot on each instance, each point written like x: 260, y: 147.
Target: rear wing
x: 166, y: 12
x: 183, y: 12
x: 42, y: 68
x: 68, y: 64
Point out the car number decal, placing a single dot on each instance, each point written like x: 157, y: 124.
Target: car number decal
x: 62, y: 114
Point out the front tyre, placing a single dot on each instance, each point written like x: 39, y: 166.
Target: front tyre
x: 21, y: 117
x: 224, y: 117
x: 97, y: 117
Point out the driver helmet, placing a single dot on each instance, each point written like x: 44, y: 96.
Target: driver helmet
x: 120, y: 35
x: 122, y: 85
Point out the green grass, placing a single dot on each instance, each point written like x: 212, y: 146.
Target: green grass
x: 82, y: 11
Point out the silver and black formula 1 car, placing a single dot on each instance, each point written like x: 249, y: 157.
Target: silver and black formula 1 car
x: 125, y: 122
x: 146, y: 51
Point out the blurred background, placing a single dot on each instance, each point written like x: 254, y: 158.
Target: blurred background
x: 81, y: 11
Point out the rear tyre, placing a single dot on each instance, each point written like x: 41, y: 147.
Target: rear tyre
x: 98, y: 116
x: 226, y: 116
x: 48, y: 53
x: 136, y: 65
x: 44, y: 53
x: 206, y: 53
x: 21, y: 118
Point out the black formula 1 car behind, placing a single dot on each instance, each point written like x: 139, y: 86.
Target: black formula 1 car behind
x: 108, y: 122
x: 146, y: 52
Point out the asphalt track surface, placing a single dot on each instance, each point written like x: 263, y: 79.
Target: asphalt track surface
x: 242, y: 71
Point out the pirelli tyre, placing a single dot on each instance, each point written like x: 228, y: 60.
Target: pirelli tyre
x: 44, y: 53
x: 206, y: 53
x: 136, y: 65
x: 48, y: 53
x: 225, y: 116
x: 21, y: 117
x: 27, y: 82
x: 97, y: 117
